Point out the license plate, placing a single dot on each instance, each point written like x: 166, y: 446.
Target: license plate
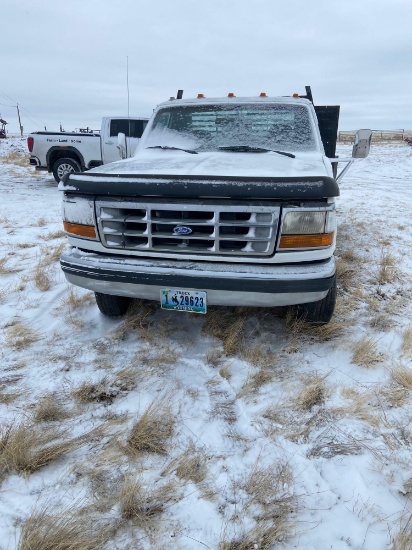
x: 183, y: 300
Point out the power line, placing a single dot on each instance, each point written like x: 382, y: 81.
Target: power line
x: 24, y: 109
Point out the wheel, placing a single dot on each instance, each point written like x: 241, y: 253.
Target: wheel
x: 112, y: 306
x: 320, y: 312
x: 64, y: 166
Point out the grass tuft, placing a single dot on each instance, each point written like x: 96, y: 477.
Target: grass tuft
x: 314, y: 393
x: 151, y: 432
x: 226, y: 324
x: 98, y: 392
x: 144, y: 505
x: 402, y: 376
x: 407, y: 341
x: 48, y: 409
x: 387, y: 268
x: 26, y: 448
x: 137, y: 318
x: 20, y: 336
x: 64, y: 531
x: 189, y: 466
x: 365, y: 352
x: 15, y: 157
x: 4, y: 268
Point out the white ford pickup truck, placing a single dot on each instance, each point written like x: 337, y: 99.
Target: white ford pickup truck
x: 65, y: 152
x: 227, y: 201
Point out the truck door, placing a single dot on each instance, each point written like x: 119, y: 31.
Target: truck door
x: 133, y: 129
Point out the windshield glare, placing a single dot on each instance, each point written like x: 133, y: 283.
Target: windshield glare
x: 208, y: 127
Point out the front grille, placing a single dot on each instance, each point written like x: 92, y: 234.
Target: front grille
x: 215, y: 228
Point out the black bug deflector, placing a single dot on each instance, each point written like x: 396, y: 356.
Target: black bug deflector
x: 176, y: 186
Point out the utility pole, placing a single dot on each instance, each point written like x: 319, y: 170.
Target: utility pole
x: 21, y: 127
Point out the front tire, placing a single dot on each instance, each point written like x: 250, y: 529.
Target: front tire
x: 65, y: 166
x: 112, y: 306
x: 320, y: 312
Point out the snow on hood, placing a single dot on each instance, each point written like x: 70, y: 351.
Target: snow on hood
x: 219, y: 163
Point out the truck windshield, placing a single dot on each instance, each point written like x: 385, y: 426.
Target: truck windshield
x: 211, y: 127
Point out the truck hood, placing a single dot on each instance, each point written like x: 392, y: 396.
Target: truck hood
x: 220, y: 163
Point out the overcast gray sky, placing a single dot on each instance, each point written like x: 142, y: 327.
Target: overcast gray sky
x: 66, y: 61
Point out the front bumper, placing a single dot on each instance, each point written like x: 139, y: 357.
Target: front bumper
x: 233, y: 284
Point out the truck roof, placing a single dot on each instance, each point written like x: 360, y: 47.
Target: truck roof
x: 229, y: 100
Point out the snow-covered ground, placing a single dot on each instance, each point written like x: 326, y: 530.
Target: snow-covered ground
x: 261, y: 432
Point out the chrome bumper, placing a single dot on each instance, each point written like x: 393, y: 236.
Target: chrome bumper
x: 233, y: 284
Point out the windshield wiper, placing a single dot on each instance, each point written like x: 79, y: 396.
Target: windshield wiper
x: 175, y: 148
x: 248, y: 149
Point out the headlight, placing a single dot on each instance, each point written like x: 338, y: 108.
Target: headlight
x: 78, y: 217
x: 308, y: 229
x: 303, y: 223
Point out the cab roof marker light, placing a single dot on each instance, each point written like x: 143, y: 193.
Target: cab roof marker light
x: 295, y: 95
x: 200, y: 96
x: 263, y: 94
x: 231, y: 94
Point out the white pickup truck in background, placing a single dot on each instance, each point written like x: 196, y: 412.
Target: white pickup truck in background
x: 64, y: 152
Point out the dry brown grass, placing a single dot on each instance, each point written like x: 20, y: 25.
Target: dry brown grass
x: 9, y: 397
x: 360, y: 407
x: 403, y: 376
x: 144, y: 505
x: 329, y: 446
x: 346, y: 273
x: 151, y: 432
x: 54, y: 235
x: 225, y: 372
x: 95, y: 392
x: 4, y: 268
x: 271, y: 489
x: 43, y: 530
x: 349, y: 255
x: 331, y: 331
x: 365, y: 353
x: 51, y: 255
x: 313, y: 393
x: 226, y: 324
x: 48, y: 409
x: 214, y: 357
x: 265, y: 536
x: 255, y: 381
x: 74, y: 299
x: 403, y: 540
x: 260, y: 356
x: 17, y: 158
x: 407, y: 341
x: 26, y: 448
x: 189, y: 465
x: 20, y: 336
x: 41, y: 277
x: 137, y: 318
x: 387, y: 268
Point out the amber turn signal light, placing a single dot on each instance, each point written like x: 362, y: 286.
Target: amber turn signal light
x: 87, y: 231
x: 306, y: 241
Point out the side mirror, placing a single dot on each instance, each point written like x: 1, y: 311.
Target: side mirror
x: 121, y: 145
x: 362, y: 144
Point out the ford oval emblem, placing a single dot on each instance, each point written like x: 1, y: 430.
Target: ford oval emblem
x: 182, y: 230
